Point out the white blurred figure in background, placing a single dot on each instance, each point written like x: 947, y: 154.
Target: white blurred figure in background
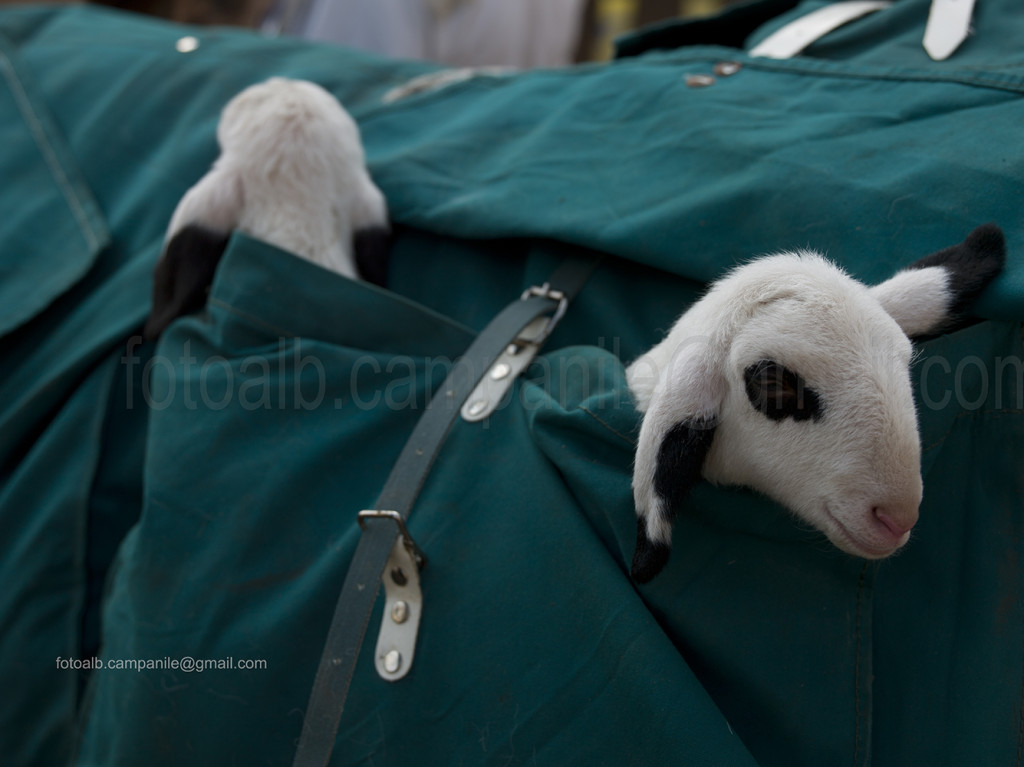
x: 459, y: 33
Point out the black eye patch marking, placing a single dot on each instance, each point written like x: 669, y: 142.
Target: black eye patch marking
x: 779, y: 393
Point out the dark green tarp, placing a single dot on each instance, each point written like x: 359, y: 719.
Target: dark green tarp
x: 198, y: 499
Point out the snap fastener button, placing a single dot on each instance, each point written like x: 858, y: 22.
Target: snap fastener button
x: 699, y: 81
x: 186, y: 44
x: 727, y: 68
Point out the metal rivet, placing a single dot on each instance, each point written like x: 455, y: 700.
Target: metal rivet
x: 392, y: 661
x: 727, y: 68
x: 699, y: 81
x: 186, y: 44
x: 501, y: 370
x: 478, y: 407
x: 400, y: 612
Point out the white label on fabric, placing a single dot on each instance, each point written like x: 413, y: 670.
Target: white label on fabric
x: 949, y: 22
x: 791, y: 39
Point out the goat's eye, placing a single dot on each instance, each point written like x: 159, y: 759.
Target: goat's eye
x: 779, y: 393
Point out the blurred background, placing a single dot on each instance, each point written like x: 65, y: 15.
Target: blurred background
x: 515, y: 33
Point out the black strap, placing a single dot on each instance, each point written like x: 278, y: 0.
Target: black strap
x: 362, y: 583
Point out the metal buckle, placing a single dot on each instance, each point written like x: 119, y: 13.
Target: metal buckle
x: 408, y: 542
x: 403, y: 600
x: 496, y: 382
x: 545, y: 291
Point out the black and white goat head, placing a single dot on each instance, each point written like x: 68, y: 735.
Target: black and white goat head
x: 291, y: 172
x: 792, y: 378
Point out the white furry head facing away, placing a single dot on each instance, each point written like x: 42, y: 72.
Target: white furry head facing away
x: 792, y: 378
x: 291, y: 172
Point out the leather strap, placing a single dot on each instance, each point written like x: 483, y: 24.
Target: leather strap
x: 362, y: 583
x: 949, y: 23
x: 790, y: 40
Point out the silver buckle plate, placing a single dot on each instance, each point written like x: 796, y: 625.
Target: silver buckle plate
x: 491, y: 389
x: 403, y: 601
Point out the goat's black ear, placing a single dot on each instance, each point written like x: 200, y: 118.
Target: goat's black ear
x: 931, y: 294
x: 372, y: 246
x: 650, y: 556
x: 182, y: 278
x: 677, y: 469
x: 970, y: 266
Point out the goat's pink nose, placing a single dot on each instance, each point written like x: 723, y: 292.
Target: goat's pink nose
x: 899, y: 524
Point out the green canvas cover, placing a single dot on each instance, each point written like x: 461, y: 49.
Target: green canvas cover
x: 196, y: 499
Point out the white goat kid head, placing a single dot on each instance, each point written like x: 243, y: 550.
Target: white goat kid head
x: 792, y: 378
x: 291, y: 172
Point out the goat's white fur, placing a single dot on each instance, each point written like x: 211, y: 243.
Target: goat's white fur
x: 918, y: 299
x: 291, y: 172
x: 850, y: 343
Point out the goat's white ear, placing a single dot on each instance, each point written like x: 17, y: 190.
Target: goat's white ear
x: 183, y: 276
x: 214, y: 203
x: 369, y: 208
x: 675, y: 436
x: 930, y: 294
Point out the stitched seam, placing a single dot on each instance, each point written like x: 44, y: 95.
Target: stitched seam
x: 39, y: 135
x: 793, y: 67
x: 856, y: 668
x: 968, y: 414
x: 788, y: 66
x: 1020, y: 728
x: 250, y: 318
x: 629, y: 440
